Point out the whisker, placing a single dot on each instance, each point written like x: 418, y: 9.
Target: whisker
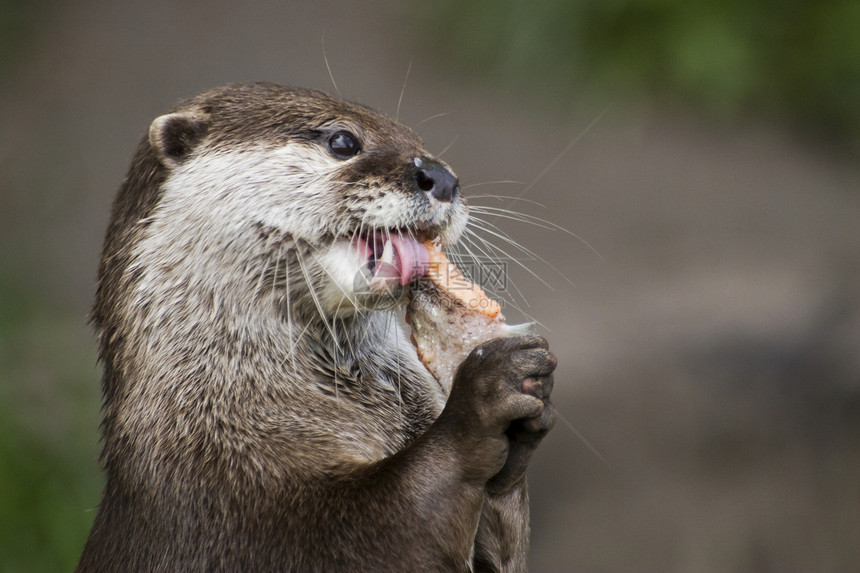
x: 512, y: 258
x: 340, y: 288
x: 484, y: 183
x: 290, y: 326
x: 508, y: 300
x: 365, y: 332
x: 490, y: 258
x: 327, y: 67
x: 564, y: 152
x: 502, y: 198
x: 336, y: 355
x: 390, y: 323
x: 477, y: 209
x: 298, y: 338
x: 261, y: 281
x: 505, y: 237
x: 449, y: 146
x: 579, y: 435
x: 275, y: 272
x: 431, y: 118
x: 403, y: 90
x: 532, y: 220
x: 349, y: 345
x: 316, y: 298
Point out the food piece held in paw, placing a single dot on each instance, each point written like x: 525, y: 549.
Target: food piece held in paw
x: 450, y: 316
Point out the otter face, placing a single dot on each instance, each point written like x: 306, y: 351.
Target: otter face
x: 265, y: 179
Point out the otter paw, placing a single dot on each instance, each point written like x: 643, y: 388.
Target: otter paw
x: 500, y: 403
x: 539, y: 388
x: 504, y: 379
x: 525, y: 434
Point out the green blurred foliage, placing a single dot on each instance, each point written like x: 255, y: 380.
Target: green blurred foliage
x: 788, y: 61
x: 48, y: 426
x: 49, y: 479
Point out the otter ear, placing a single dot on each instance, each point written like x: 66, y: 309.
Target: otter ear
x: 175, y: 135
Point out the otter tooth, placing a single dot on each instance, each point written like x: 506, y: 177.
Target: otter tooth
x: 387, y: 253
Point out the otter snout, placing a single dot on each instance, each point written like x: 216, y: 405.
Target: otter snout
x: 436, y: 180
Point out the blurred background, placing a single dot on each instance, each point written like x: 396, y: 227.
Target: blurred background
x: 705, y: 314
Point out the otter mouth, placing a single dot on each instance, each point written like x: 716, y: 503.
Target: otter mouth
x: 393, y: 258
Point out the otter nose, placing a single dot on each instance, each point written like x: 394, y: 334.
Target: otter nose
x: 436, y: 180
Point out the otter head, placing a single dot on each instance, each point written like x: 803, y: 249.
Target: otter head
x: 255, y: 238
x: 333, y: 194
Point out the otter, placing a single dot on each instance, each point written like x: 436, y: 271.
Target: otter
x: 263, y: 409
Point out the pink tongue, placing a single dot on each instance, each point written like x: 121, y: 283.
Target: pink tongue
x: 412, y: 256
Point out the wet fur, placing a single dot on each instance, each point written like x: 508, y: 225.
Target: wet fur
x: 259, y: 416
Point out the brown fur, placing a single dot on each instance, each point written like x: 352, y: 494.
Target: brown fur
x: 227, y: 448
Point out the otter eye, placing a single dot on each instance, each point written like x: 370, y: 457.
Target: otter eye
x: 343, y: 145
